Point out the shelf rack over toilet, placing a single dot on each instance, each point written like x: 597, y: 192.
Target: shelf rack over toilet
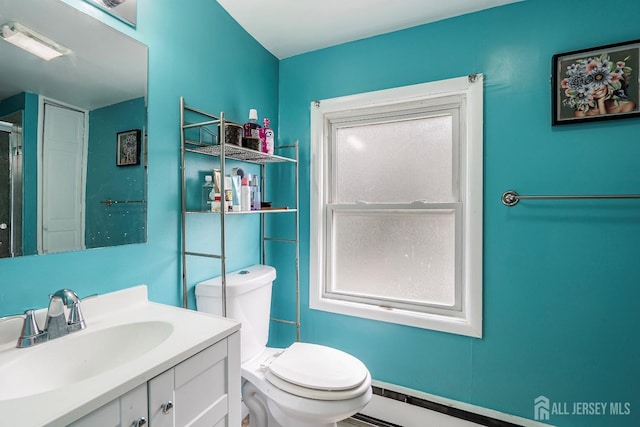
x: 224, y: 151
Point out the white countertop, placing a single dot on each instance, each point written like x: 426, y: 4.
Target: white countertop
x: 192, y: 332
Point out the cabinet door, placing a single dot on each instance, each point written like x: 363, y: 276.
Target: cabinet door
x: 161, y: 400
x: 133, y: 407
x: 198, y: 389
x: 201, y: 387
x: 122, y: 412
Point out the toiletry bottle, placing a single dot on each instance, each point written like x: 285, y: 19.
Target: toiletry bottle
x: 216, y: 204
x: 255, y: 194
x: 267, y: 137
x: 208, y: 193
x: 245, y: 195
x: 235, y: 199
x: 252, y: 128
x: 228, y: 194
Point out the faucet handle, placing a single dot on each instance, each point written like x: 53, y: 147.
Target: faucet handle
x: 30, y: 326
x: 76, y: 319
x: 31, y: 333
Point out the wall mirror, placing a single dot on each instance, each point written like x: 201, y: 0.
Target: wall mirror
x: 73, y: 170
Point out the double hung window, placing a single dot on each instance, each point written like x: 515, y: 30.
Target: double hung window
x: 396, y: 198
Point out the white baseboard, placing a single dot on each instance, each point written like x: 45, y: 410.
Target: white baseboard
x: 408, y: 415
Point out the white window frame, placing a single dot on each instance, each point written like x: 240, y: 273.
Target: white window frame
x: 466, y: 318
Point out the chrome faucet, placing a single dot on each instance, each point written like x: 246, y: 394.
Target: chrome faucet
x: 56, y: 324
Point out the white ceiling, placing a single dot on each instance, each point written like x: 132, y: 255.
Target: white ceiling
x: 291, y: 27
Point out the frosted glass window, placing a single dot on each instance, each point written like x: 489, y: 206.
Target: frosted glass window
x: 396, y: 205
x: 396, y: 255
x: 398, y: 161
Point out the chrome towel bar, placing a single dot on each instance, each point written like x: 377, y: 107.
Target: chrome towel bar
x: 110, y: 201
x: 511, y: 198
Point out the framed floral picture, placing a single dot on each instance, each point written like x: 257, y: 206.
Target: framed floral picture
x: 128, y: 148
x: 596, y: 84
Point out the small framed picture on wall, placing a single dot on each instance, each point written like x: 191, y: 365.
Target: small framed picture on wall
x: 128, y: 148
x: 594, y: 84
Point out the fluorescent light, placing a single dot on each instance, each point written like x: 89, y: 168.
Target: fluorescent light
x: 29, y: 40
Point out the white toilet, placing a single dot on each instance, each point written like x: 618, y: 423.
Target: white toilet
x: 304, y: 385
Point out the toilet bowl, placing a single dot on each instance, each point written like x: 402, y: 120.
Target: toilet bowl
x: 303, y: 385
x: 300, y: 389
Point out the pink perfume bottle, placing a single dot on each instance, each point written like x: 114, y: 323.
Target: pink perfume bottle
x: 267, y: 137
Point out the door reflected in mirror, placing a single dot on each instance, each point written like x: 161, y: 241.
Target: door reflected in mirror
x: 61, y: 187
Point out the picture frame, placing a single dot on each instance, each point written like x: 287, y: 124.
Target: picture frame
x: 596, y: 84
x: 128, y: 145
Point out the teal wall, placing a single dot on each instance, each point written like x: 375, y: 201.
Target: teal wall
x: 117, y: 224
x: 561, y: 294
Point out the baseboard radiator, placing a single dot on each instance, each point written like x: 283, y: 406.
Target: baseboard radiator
x: 473, y: 417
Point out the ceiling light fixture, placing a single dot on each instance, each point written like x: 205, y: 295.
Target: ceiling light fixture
x: 29, y: 40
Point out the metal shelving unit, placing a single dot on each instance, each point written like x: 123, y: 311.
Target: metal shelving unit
x: 208, y: 144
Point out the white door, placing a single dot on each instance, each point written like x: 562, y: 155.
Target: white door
x: 62, y: 187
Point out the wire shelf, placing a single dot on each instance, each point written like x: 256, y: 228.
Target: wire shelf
x: 235, y: 152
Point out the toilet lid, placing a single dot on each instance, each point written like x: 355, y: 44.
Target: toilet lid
x: 319, y: 367
x: 312, y: 393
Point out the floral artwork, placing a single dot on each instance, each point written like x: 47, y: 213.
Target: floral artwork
x: 595, y: 85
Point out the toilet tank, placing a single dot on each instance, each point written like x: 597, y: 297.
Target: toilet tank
x: 248, y: 301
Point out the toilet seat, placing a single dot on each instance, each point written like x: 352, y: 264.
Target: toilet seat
x: 318, y: 372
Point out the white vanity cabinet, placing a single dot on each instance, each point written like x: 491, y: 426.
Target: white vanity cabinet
x: 203, y: 390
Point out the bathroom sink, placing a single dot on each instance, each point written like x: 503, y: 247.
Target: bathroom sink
x: 77, y: 357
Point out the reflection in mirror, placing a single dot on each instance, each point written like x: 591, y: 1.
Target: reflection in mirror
x: 10, y: 184
x: 61, y: 186
x: 125, y: 10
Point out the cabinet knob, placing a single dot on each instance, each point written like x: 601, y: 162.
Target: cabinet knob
x: 142, y: 421
x: 167, y: 407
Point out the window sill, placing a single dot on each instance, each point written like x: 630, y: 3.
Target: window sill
x: 470, y: 326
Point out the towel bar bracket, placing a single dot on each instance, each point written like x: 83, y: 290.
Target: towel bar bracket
x: 510, y: 198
